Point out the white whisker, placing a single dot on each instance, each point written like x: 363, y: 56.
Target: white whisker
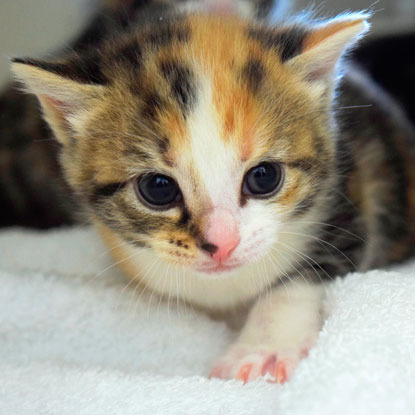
x: 322, y: 241
x: 306, y: 258
x: 326, y: 224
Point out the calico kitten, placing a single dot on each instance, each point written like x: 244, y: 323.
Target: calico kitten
x: 221, y: 166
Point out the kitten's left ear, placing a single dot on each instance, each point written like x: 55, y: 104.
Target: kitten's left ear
x: 323, y: 45
x: 64, y: 90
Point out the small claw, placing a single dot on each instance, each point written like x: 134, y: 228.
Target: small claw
x: 269, y: 365
x: 244, y: 372
x: 281, y: 373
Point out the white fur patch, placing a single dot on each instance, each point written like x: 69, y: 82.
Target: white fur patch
x: 214, y: 160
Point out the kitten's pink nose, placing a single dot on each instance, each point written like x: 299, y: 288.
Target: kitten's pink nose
x: 222, y: 235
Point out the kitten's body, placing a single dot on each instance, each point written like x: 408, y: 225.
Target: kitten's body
x: 204, y: 100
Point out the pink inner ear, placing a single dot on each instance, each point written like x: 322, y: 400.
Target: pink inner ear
x: 56, y: 110
x: 320, y: 72
x: 59, y: 106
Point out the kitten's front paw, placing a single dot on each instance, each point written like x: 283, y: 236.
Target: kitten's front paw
x: 244, y: 364
x: 278, y: 333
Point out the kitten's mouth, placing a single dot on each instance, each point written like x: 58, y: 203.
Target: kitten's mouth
x: 217, y: 269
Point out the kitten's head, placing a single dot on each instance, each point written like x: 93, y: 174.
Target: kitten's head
x: 203, y: 145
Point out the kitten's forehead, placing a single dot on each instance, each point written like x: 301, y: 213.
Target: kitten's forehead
x: 207, y: 105
x: 217, y: 71
x: 209, y: 156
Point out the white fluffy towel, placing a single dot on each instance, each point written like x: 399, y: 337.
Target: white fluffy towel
x: 76, y: 339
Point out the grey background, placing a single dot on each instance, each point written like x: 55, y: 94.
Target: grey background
x: 37, y: 27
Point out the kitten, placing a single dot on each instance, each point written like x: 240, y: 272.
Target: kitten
x: 222, y: 165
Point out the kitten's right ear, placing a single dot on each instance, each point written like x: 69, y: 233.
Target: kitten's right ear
x: 320, y: 48
x: 64, y: 92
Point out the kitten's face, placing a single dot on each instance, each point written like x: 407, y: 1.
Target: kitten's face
x: 216, y: 145
x: 204, y: 149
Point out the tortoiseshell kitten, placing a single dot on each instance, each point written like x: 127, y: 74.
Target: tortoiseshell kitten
x: 222, y: 165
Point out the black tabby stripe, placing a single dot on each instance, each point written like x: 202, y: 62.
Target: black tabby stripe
x: 185, y: 218
x: 181, y: 81
x: 164, y: 147
x: 253, y: 73
x: 153, y: 104
x: 140, y: 223
x: 105, y: 191
x: 86, y: 70
x: 130, y: 54
x: 304, y: 205
x: 167, y: 33
x: 307, y: 164
x: 289, y: 43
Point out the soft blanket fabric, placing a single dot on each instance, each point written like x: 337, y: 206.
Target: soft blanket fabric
x: 75, y: 338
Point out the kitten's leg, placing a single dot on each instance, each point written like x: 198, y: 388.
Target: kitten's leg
x: 279, y: 331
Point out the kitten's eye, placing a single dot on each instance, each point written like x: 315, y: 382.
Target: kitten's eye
x: 264, y: 179
x: 158, y: 191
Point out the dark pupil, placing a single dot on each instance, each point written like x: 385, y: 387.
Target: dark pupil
x: 159, y: 190
x: 262, y: 179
